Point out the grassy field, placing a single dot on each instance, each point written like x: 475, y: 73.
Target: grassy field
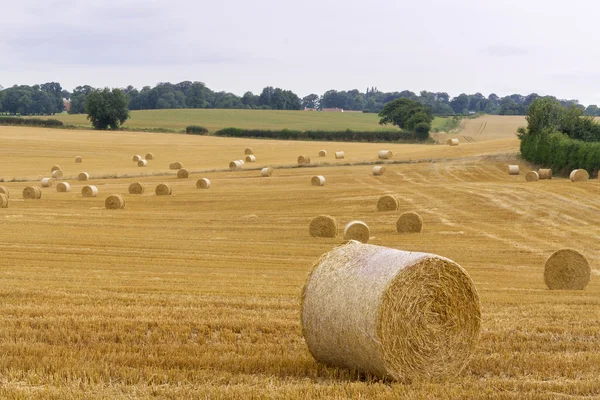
x: 196, y: 295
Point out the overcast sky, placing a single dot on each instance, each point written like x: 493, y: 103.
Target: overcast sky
x: 308, y: 46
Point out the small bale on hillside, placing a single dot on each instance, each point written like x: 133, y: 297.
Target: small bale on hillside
x: 378, y: 170
x: 175, y: 165
x: 3, y: 200
x: 78, y: 159
x: 567, y: 269
x: 248, y: 151
x: 579, y: 175
x: 183, y: 173
x: 63, y: 187
x: 55, y: 168
x: 339, y: 155
x: 4, y: 190
x: 452, y: 142
x: 149, y: 156
x: 142, y: 163
x: 235, y: 165
x: 136, y: 188
x: 250, y: 159
x: 357, y: 230
x: 513, y: 170
x: 114, y: 202
x: 163, y: 189
x: 385, y: 154
x: 47, y: 182
x: 545, y: 173
x: 409, y: 222
x: 84, y: 176
x: 268, y: 171
x: 532, y: 176
x: 203, y: 183
x: 58, y: 174
x: 89, y: 191
x: 137, y: 158
x: 303, y: 160
x: 323, y: 226
x: 317, y: 180
x: 387, y: 203
x: 398, y: 315
x: 323, y: 153
x: 32, y: 192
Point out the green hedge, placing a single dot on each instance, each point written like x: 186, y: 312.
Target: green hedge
x: 196, y: 130
x: 47, y: 123
x: 334, y: 136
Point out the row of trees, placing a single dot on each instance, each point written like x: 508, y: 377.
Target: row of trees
x: 44, y: 99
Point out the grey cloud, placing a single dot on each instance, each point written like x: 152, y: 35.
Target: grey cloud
x: 506, y: 51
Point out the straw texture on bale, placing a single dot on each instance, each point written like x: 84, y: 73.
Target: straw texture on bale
x: 385, y: 154
x: 203, y: 183
x: 378, y: 170
x: 317, y: 180
x: 532, y: 176
x: 58, y: 174
x: 357, y: 230
x: 183, y: 173
x: 3, y: 200
x: 32, y: 192
x: 84, y: 176
x: 323, y: 153
x: 452, y: 142
x: 137, y: 158
x: 304, y: 160
x: 89, y: 191
x: 55, y: 168
x: 387, y: 203
x: 268, y: 171
x: 250, y: 159
x: 4, y: 190
x: 114, y: 202
x: 47, y: 182
x: 142, y: 163
x: 579, y: 175
x: 513, y: 170
x: 399, y: 315
x: 163, y: 190
x: 339, y: 155
x: 409, y: 222
x: 175, y: 165
x: 323, y: 226
x: 545, y: 173
x: 78, y: 160
x: 237, y: 164
x: 567, y: 269
x: 136, y: 188
x: 63, y: 187
x: 149, y: 156
x: 248, y: 151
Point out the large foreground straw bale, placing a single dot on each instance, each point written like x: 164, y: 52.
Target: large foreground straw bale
x: 58, y: 174
x: 387, y: 203
x: 78, y: 159
x: 203, y: 183
x: 4, y: 190
x: 250, y: 159
x: 339, y: 155
x: 268, y: 171
x: 513, y: 170
x: 452, y: 142
x: 47, y: 182
x: 303, y: 160
x: 63, y: 187
x: 163, y: 189
x: 137, y: 158
x: 317, y: 180
x: 149, y: 156
x: 55, y: 168
x: 532, y: 176
x: 89, y: 191
x: 234, y: 165
x: 567, y: 269
x: 323, y: 226
x: 32, y: 192
x: 357, y: 230
x: 248, y: 151
x: 409, y: 222
x: 3, y: 200
x: 545, y: 173
x: 175, y: 165
x: 183, y: 173
x: 323, y: 153
x: 399, y: 315
x: 385, y: 154
x: 142, y: 163
x: 136, y: 188
x: 114, y: 202
x: 84, y: 176
x: 579, y: 175
x: 378, y: 170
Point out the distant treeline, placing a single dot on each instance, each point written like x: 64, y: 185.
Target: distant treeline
x: 47, y: 99
x: 46, y: 123
x: 334, y: 136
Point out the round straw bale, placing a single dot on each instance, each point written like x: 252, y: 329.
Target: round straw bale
x: 4, y: 190
x: 149, y: 156
x: 203, y: 183
x: 323, y: 226
x: 452, y: 142
x: 175, y: 165
x: 339, y: 155
x: 268, y: 171
x: 235, y: 165
x: 84, y: 176
x: 399, y: 315
x: 248, y: 151
x: 323, y: 153
x: 89, y: 191
x: 378, y: 170
x: 317, y: 180
x: 385, y: 154
x: 136, y: 188
x: 567, y: 269
x: 47, y: 182
x: 32, y: 192
x: 63, y: 187
x: 545, y: 173
x: 55, y: 168
x: 114, y: 202
x: 137, y: 158
x: 250, y: 159
x: 579, y: 175
x: 163, y: 190
x: 513, y: 170
x: 304, y: 160
x: 357, y: 230
x: 532, y: 176
x: 409, y: 222
x: 3, y: 200
x: 183, y: 173
x: 78, y: 159
x: 58, y: 174
x: 142, y: 163
x: 387, y: 203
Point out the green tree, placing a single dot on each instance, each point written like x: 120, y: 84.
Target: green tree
x: 409, y: 115
x: 107, y: 108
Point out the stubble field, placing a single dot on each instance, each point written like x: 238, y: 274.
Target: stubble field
x: 196, y: 295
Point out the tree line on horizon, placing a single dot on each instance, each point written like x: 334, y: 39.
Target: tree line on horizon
x: 47, y: 99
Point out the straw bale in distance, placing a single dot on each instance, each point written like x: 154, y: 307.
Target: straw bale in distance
x: 378, y: 170
x: 203, y: 183
x: 400, y: 315
x: 58, y: 174
x: 323, y: 226
x: 137, y: 158
x: 387, y: 203
x: 579, y: 175
x: 235, y: 165
x: 323, y: 153
x: 303, y: 160
x: 183, y: 173
x: 175, y: 165
x: 63, y: 187
x: 545, y: 173
x: 114, y: 202
x: 248, y: 151
x: 32, y: 192
x: 163, y: 189
x: 55, y: 168
x: 385, y: 154
x: 357, y: 230
x: 268, y: 171
x: 4, y: 190
x: 513, y: 170
x: 149, y: 156
x: 3, y: 200
x: 452, y: 142
x: 47, y: 182
x: 339, y: 155
x: 78, y: 159
x: 532, y: 176
x: 89, y: 191
x: 136, y: 188
x: 142, y: 163
x: 250, y: 158
x: 567, y: 269
x: 84, y: 176
x: 317, y: 180
x: 409, y: 222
